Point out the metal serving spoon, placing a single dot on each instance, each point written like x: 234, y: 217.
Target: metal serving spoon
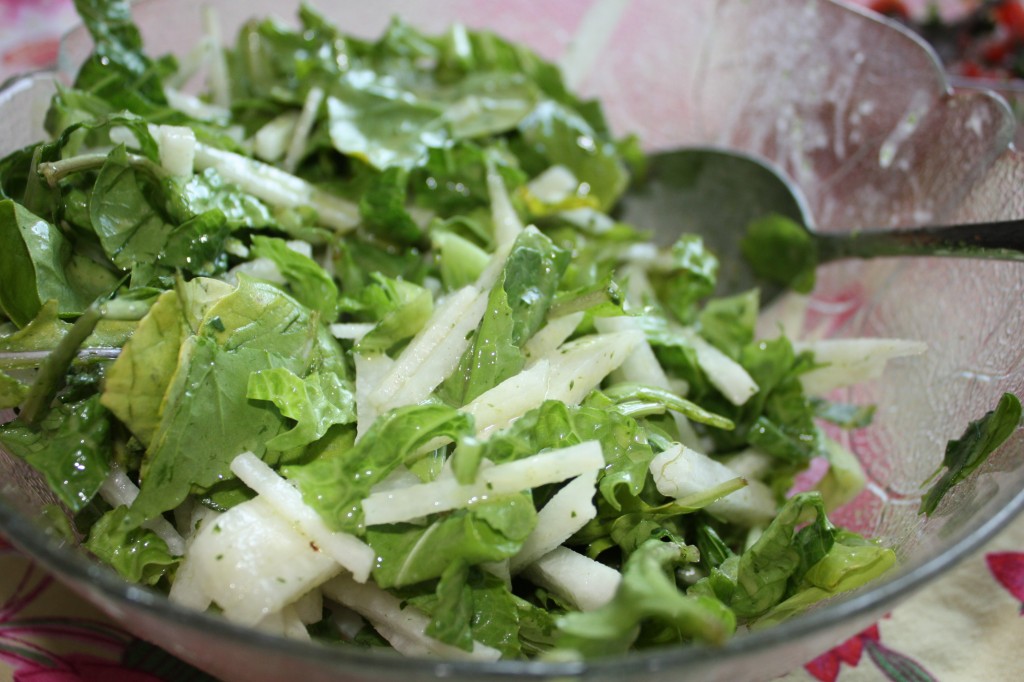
x: 719, y: 194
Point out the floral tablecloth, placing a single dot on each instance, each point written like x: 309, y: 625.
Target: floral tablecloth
x: 967, y: 626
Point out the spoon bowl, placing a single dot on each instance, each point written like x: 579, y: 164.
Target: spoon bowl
x: 757, y: 221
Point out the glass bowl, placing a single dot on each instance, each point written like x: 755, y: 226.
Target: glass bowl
x: 857, y: 112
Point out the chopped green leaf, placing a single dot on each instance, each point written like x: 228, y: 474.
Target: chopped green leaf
x: 965, y: 454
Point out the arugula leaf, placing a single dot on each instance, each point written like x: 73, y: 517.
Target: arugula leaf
x: 965, y: 454
x: 118, y: 70
x: 692, y: 277
x: 315, y: 402
x: 138, y: 554
x: 843, y: 415
x: 781, y: 250
x: 647, y: 594
x: 380, y: 126
x: 131, y: 231
x: 782, y: 553
x: 491, y: 530
x: 206, y: 191
x: 516, y: 309
x: 395, y: 438
x: 568, y: 139
x: 20, y: 181
x: 453, y: 179
x: 779, y: 418
x: 115, y: 35
x: 69, y: 448
x: 33, y: 261
x: 470, y: 605
x: 728, y: 323
x: 197, y: 245
x: 399, y: 308
x: 383, y: 207
x: 453, y: 612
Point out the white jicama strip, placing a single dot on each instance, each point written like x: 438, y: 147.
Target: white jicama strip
x: 590, y: 42
x: 551, y: 336
x: 195, y: 107
x: 177, y: 145
x: 260, y: 268
x: 680, y: 471
x: 498, y: 407
x: 403, y: 626
x: 370, y: 371
x: 187, y: 589
x: 270, y: 142
x: 189, y: 65
x: 565, y: 513
x: 285, y: 623
x: 579, y: 366
x: 433, y: 353
x: 852, y: 361
x: 442, y: 495
x: 785, y: 317
x: 217, y: 62
x: 118, y: 490
x: 554, y: 185
x: 586, y: 583
x: 252, y: 562
x: 588, y: 219
x: 300, y: 134
x: 310, y: 607
x: 347, y: 550
x: 507, y: 225
x: 351, y: 330
x: 277, y: 187
x: 641, y: 366
x: 400, y: 478
x: 724, y: 373
x: 750, y: 463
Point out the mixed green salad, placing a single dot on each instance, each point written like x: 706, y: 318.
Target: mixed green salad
x: 352, y: 347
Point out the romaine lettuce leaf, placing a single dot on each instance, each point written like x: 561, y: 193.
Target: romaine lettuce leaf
x: 137, y: 381
x: 315, y: 402
x: 138, y: 554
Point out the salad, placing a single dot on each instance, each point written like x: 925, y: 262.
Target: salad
x: 353, y: 348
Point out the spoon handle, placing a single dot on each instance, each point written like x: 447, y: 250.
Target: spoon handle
x: 1000, y: 240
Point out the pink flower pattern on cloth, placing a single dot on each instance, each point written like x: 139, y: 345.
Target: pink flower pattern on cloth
x: 968, y: 626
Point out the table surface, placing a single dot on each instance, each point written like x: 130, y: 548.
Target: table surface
x: 967, y: 626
